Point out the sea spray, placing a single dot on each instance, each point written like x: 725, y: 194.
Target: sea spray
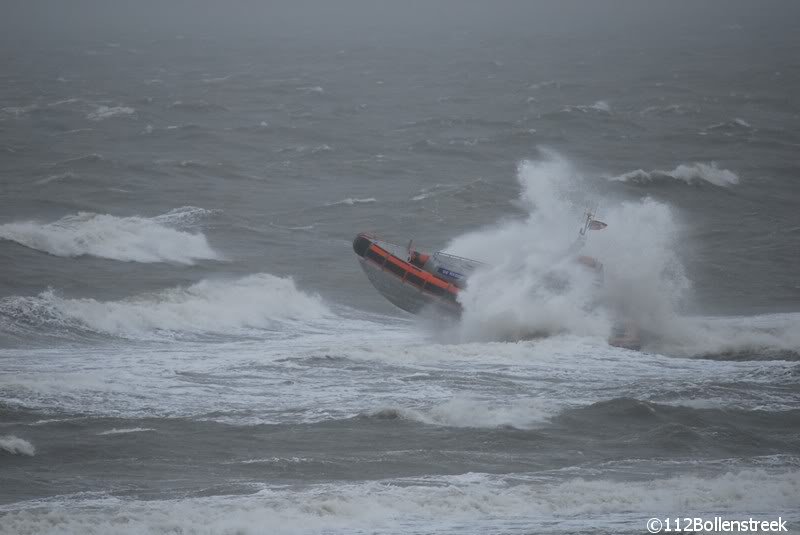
x: 533, y: 286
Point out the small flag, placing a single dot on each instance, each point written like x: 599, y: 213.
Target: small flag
x: 596, y: 225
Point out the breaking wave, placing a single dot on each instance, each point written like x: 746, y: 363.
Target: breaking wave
x: 474, y: 413
x: 16, y: 446
x: 484, y: 501
x: 259, y: 301
x: 129, y: 239
x: 691, y: 174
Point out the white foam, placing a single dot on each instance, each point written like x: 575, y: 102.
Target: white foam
x: 321, y: 148
x: 78, y: 131
x: 765, y: 336
x: 209, y: 306
x: 661, y: 110
x: 106, y: 112
x: 689, y: 173
x: 64, y: 101
x: 545, y: 84
x: 129, y: 239
x: 598, y: 106
x: 351, y: 201
x: 728, y: 127
x: 470, y: 412
x: 471, y: 503
x: 86, y: 158
x: 278, y: 460
x: 125, y: 431
x: 16, y: 446
x: 19, y: 110
x: 439, y: 189
x: 53, y: 178
x: 217, y: 80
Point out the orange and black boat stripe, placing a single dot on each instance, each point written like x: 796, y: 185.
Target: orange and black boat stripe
x: 411, y: 274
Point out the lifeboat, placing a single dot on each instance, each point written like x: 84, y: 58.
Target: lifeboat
x: 413, y: 280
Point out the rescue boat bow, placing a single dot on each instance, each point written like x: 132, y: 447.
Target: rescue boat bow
x: 407, y: 280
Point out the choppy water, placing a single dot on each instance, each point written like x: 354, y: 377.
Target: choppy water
x: 187, y: 343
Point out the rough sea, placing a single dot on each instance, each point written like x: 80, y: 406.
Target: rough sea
x: 188, y: 344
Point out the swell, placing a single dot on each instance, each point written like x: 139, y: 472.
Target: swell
x: 655, y: 429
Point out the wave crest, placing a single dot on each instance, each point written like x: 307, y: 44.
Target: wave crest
x: 466, y: 412
x: 689, y: 173
x: 106, y: 112
x: 129, y: 239
x: 258, y: 301
x: 16, y: 446
x: 350, y: 201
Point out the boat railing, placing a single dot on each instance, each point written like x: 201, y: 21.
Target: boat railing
x: 439, y: 254
x: 455, y: 257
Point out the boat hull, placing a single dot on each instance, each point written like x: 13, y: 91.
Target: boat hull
x: 403, y: 284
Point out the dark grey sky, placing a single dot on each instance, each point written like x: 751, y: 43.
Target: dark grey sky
x: 347, y: 20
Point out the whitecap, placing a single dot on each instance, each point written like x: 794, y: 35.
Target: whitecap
x: 351, y: 201
x: 129, y: 239
x: 210, y: 306
x: 688, y: 173
x: 16, y: 446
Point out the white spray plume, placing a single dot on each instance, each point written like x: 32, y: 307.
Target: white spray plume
x: 533, y: 285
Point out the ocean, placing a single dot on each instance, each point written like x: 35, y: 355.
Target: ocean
x: 187, y: 341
